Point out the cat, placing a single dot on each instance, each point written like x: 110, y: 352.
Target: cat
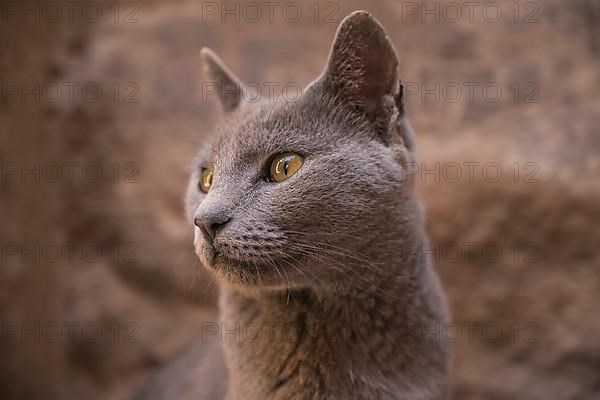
x: 304, y: 212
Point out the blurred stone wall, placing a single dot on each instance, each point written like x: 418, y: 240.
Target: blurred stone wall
x: 130, y: 294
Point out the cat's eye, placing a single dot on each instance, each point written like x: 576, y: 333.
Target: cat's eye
x: 206, y: 179
x: 284, y: 165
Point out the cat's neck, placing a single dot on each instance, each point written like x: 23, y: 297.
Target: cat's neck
x: 334, y: 343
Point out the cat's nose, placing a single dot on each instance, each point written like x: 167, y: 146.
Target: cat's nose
x: 210, y: 224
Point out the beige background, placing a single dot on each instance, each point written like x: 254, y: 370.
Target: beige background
x: 163, y: 295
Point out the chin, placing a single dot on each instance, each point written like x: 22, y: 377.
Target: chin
x: 250, y: 273
x: 237, y: 273
x: 244, y: 274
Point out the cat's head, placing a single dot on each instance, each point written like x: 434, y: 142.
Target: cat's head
x: 312, y: 192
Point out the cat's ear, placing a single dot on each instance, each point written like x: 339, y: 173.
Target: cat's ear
x: 221, y: 81
x: 363, y: 67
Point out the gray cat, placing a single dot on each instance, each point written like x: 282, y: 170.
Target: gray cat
x: 306, y: 215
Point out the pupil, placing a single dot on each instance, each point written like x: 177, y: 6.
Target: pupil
x: 286, y: 166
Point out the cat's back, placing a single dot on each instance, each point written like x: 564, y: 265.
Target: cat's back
x: 199, y: 373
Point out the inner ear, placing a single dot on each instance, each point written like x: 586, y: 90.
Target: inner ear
x: 363, y: 67
x: 221, y: 81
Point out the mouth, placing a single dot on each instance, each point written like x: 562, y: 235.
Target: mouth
x: 242, y: 271
x: 211, y: 256
x: 217, y: 260
x: 221, y: 262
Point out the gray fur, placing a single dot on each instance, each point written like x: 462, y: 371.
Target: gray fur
x: 326, y: 251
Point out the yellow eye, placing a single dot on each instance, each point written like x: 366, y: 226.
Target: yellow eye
x: 285, y: 165
x: 206, y: 179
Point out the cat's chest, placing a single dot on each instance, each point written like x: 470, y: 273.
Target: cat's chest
x: 288, y: 353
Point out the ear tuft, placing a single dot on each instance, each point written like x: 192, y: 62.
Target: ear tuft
x: 363, y: 66
x: 226, y: 85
